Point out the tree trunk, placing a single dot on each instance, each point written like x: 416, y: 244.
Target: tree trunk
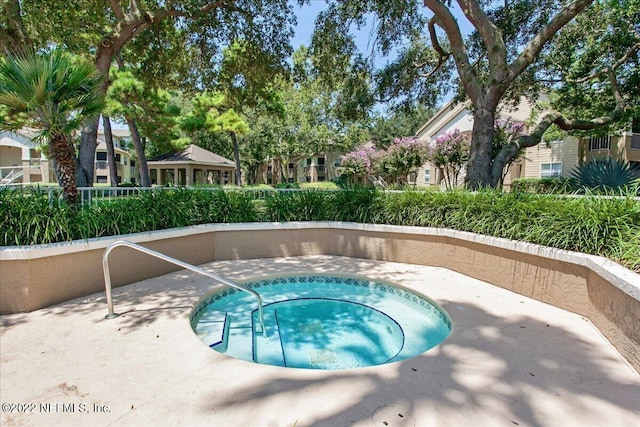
x: 145, y: 180
x: 63, y: 153
x: 111, y: 152
x: 284, y: 170
x: 479, y: 164
x: 87, y: 153
x: 89, y: 135
x: 501, y: 165
x: 236, y: 155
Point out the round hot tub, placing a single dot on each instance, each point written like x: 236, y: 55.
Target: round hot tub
x: 321, y: 322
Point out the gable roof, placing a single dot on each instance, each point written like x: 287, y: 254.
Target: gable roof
x: 450, y: 109
x: 194, y: 154
x: 520, y: 112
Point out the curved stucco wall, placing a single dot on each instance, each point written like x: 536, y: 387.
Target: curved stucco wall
x: 609, y: 295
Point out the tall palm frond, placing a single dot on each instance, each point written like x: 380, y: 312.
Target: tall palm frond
x: 52, y: 93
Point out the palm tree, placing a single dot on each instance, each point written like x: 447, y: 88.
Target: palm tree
x: 52, y: 93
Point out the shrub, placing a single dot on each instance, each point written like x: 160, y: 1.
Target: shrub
x: 606, y: 226
x: 296, y: 206
x: 357, y: 204
x: 542, y: 185
x: 604, y: 175
x: 30, y: 218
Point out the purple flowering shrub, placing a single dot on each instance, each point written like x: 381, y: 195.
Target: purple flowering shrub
x: 358, y: 164
x: 506, y: 132
x: 392, y: 164
x: 401, y: 157
x: 449, y: 152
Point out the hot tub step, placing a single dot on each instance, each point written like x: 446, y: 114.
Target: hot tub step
x: 268, y: 350
x: 213, y: 329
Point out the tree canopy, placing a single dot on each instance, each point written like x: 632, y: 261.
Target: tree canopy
x: 322, y: 98
x: 189, y: 34
x: 514, y: 49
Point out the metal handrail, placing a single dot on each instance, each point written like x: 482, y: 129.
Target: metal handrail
x: 107, y: 276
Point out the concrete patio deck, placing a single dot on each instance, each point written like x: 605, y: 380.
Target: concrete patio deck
x: 510, y: 360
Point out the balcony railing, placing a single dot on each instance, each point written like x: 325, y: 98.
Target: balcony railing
x: 597, y: 143
x: 11, y: 174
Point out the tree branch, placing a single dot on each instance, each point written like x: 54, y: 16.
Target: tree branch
x: 443, y: 55
x: 533, y: 138
x: 434, y: 37
x: 133, y: 7
x: 448, y: 23
x: 604, y: 71
x: 13, y: 35
x: 491, y: 36
x: 536, y: 44
x: 117, y: 10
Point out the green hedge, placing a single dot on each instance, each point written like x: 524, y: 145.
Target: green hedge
x: 542, y: 185
x: 596, y: 225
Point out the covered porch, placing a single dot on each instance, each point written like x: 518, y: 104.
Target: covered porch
x: 192, y: 166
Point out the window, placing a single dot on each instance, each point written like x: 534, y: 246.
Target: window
x: 599, y: 143
x: 133, y: 163
x: 118, y: 158
x: 308, y: 162
x: 291, y: 165
x: 550, y: 170
x: 427, y: 176
x: 124, y: 160
x: 101, y: 155
x: 321, y: 160
x: 337, y: 162
x: 635, y: 133
x: 101, y: 179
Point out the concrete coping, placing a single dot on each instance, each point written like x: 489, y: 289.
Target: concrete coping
x: 619, y: 276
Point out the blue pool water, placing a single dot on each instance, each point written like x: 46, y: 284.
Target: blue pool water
x: 321, y: 322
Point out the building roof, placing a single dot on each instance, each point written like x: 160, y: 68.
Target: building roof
x: 451, y: 111
x: 194, y: 154
x: 444, y: 114
x: 22, y: 138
